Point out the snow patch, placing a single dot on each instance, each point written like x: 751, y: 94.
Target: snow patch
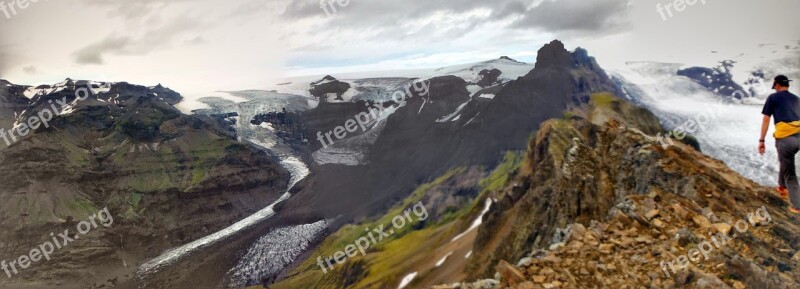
x: 450, y: 116
x: 424, y: 101
x: 471, y: 119
x: 470, y: 72
x: 186, y: 106
x: 473, y: 89
x: 407, y: 280
x: 477, y: 221
x: 441, y: 261
x: 267, y: 125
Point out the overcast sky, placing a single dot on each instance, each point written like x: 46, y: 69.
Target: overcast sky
x: 198, y: 46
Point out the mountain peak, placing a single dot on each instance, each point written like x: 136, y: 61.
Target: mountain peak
x: 509, y: 59
x: 553, y: 53
x: 555, y: 43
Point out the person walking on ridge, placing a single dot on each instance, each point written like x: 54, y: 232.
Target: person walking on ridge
x: 785, y: 108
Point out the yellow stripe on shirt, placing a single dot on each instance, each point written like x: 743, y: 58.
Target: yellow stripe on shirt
x: 786, y: 129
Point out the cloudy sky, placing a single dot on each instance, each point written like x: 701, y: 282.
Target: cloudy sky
x: 198, y: 46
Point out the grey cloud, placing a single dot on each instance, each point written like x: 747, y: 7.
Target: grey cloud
x: 386, y: 18
x: 303, y: 9
x: 367, y: 21
x: 197, y: 41
x: 377, y: 10
x: 511, y: 8
x: 577, y: 16
x: 93, y: 53
x: 151, y: 40
x: 30, y: 69
x: 132, y: 9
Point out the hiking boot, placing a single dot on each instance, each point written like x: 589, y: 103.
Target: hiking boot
x: 784, y: 193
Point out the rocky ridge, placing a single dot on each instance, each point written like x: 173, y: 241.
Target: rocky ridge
x: 621, y: 210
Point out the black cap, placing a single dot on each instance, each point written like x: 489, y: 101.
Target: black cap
x: 782, y: 80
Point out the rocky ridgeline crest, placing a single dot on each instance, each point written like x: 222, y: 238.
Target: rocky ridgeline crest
x: 624, y: 225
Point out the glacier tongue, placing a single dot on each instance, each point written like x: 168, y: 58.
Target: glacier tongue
x: 298, y: 170
x: 255, y: 102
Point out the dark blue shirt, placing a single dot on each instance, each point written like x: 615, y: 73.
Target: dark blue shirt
x: 783, y: 107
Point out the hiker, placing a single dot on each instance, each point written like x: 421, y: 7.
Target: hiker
x: 785, y: 108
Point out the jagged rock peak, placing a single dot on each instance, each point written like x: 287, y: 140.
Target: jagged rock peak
x: 553, y: 53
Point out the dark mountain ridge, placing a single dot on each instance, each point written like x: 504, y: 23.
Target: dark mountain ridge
x: 414, y: 146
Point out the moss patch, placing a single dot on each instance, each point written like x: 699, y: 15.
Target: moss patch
x: 500, y: 176
x: 382, y: 258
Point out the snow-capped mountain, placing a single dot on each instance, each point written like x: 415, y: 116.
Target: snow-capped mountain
x: 481, y: 80
x: 355, y: 87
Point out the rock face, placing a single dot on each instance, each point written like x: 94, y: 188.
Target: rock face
x: 604, y: 205
x: 166, y: 179
x: 489, y: 77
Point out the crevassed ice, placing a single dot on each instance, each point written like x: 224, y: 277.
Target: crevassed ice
x: 273, y: 252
